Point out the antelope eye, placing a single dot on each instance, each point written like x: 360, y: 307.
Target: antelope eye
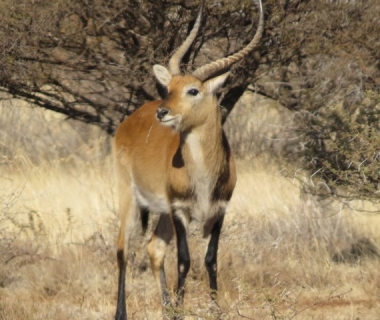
x: 193, y: 92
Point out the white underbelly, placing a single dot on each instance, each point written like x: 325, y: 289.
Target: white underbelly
x: 156, y: 203
x: 201, y: 212
x: 199, y: 208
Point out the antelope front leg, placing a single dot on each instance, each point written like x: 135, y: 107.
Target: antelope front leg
x: 212, y: 254
x: 121, y: 309
x: 128, y: 212
x: 183, y: 261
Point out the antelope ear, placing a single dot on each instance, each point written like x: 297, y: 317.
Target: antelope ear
x: 162, y: 74
x: 215, y: 83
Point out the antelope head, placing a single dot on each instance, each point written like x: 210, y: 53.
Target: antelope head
x: 192, y: 98
x: 189, y: 100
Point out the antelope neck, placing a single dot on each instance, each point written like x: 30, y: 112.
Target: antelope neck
x: 202, y: 150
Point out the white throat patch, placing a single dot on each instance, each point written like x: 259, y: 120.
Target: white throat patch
x: 201, y: 178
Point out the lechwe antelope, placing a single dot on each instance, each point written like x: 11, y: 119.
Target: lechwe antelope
x: 173, y: 158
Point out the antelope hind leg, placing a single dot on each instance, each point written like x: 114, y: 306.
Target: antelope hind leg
x: 157, y: 249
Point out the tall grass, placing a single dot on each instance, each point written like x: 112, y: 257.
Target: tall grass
x: 58, y: 225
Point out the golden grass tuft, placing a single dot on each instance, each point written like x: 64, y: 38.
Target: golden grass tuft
x: 58, y: 226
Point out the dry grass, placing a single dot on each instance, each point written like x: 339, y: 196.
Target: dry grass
x: 58, y: 226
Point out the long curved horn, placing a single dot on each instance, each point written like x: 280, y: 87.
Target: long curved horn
x: 175, y: 60
x: 204, y: 72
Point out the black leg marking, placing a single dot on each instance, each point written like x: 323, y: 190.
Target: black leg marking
x: 211, y: 256
x: 121, y: 309
x: 144, y: 216
x: 183, y: 258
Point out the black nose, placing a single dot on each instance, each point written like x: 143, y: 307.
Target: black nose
x: 161, y: 112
